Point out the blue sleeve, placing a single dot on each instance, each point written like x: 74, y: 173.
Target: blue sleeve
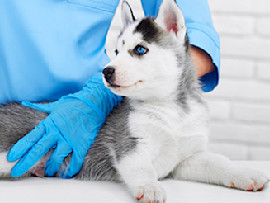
x: 200, y: 31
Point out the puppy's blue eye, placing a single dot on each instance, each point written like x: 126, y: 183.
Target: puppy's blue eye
x: 140, y: 50
x: 116, y: 52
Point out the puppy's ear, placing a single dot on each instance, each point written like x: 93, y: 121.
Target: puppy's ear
x: 127, y: 14
x: 171, y: 19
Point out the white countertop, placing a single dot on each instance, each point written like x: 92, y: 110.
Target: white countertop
x: 56, y: 190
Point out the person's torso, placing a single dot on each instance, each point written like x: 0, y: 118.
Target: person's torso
x: 51, y: 48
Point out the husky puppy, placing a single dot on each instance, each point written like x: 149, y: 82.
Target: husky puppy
x: 159, y: 130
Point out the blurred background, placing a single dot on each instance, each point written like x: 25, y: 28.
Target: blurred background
x: 240, y: 105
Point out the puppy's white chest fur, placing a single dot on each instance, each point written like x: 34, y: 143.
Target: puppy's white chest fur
x: 163, y: 129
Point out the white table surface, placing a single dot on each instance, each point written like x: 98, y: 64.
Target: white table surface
x: 49, y: 190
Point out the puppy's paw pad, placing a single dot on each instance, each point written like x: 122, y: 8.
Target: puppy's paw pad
x: 250, y: 188
x: 261, y: 188
x: 151, y: 193
x: 140, y: 196
x: 38, y: 170
x: 248, y: 180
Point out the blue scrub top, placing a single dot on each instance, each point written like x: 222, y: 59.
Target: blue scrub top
x: 51, y: 48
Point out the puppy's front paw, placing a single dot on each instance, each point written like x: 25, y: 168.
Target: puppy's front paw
x: 247, y: 179
x: 151, y: 193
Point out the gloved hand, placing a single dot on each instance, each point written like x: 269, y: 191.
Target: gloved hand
x: 71, y: 126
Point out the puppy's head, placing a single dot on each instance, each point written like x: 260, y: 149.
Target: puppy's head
x: 148, y: 53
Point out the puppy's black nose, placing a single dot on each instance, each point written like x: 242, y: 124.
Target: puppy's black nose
x: 109, y: 74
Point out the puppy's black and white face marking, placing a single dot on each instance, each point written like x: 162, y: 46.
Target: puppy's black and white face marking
x: 149, y: 30
x: 146, y: 65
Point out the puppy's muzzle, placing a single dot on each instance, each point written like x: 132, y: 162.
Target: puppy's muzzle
x: 109, y: 74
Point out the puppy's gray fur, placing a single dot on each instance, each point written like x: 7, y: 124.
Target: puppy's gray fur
x: 15, y: 122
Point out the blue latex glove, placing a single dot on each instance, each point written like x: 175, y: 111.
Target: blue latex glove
x: 71, y: 126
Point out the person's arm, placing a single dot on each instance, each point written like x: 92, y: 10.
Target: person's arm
x: 72, y: 126
x: 202, y: 35
x: 203, y: 62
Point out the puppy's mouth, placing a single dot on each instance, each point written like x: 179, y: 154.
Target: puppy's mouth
x: 111, y: 84
x: 114, y: 85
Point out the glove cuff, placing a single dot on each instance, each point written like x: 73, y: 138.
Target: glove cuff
x: 98, y: 97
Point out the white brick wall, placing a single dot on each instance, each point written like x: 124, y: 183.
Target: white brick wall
x: 263, y: 70
x: 240, y: 7
x: 262, y: 26
x: 244, y: 131
x: 240, y: 105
